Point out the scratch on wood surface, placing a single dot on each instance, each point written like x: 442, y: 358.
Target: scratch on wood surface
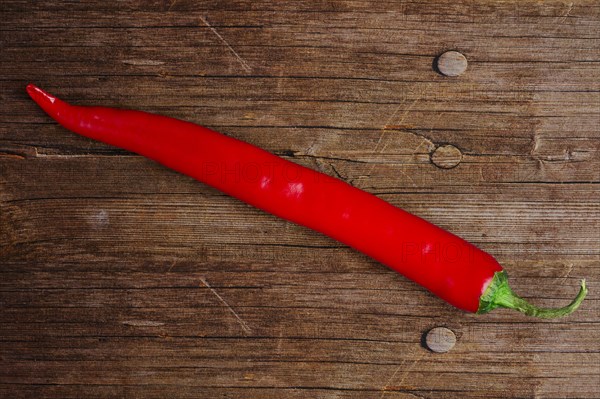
x: 311, y: 148
x: 566, y: 14
x: 238, y: 318
x: 171, y: 266
x: 535, y: 144
x: 569, y: 270
x: 386, y: 126
x: 142, y: 62
x: 405, y: 114
x: 143, y: 323
x: 240, y: 59
x: 384, y: 129
x: 386, y: 388
x: 403, y: 173
x: 430, y: 144
x: 563, y: 16
x: 335, y: 171
x: 171, y: 5
x: 426, y: 140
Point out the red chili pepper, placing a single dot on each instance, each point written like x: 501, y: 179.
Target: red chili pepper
x: 445, y: 264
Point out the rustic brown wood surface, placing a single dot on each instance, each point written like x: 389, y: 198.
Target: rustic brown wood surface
x: 120, y: 278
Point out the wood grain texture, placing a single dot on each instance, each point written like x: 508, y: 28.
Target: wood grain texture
x: 120, y: 278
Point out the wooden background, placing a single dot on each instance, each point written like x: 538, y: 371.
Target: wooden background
x: 120, y: 278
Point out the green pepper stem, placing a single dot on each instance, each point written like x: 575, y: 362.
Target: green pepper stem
x: 499, y: 295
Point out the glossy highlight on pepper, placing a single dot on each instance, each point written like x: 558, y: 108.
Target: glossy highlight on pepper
x: 445, y: 264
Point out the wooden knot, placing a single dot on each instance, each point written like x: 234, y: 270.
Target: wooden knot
x: 440, y: 339
x: 446, y: 156
x: 452, y: 63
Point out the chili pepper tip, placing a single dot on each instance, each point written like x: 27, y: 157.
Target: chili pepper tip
x: 39, y: 96
x: 33, y: 90
x: 45, y: 100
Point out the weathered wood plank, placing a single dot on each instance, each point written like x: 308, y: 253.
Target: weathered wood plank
x: 119, y: 278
